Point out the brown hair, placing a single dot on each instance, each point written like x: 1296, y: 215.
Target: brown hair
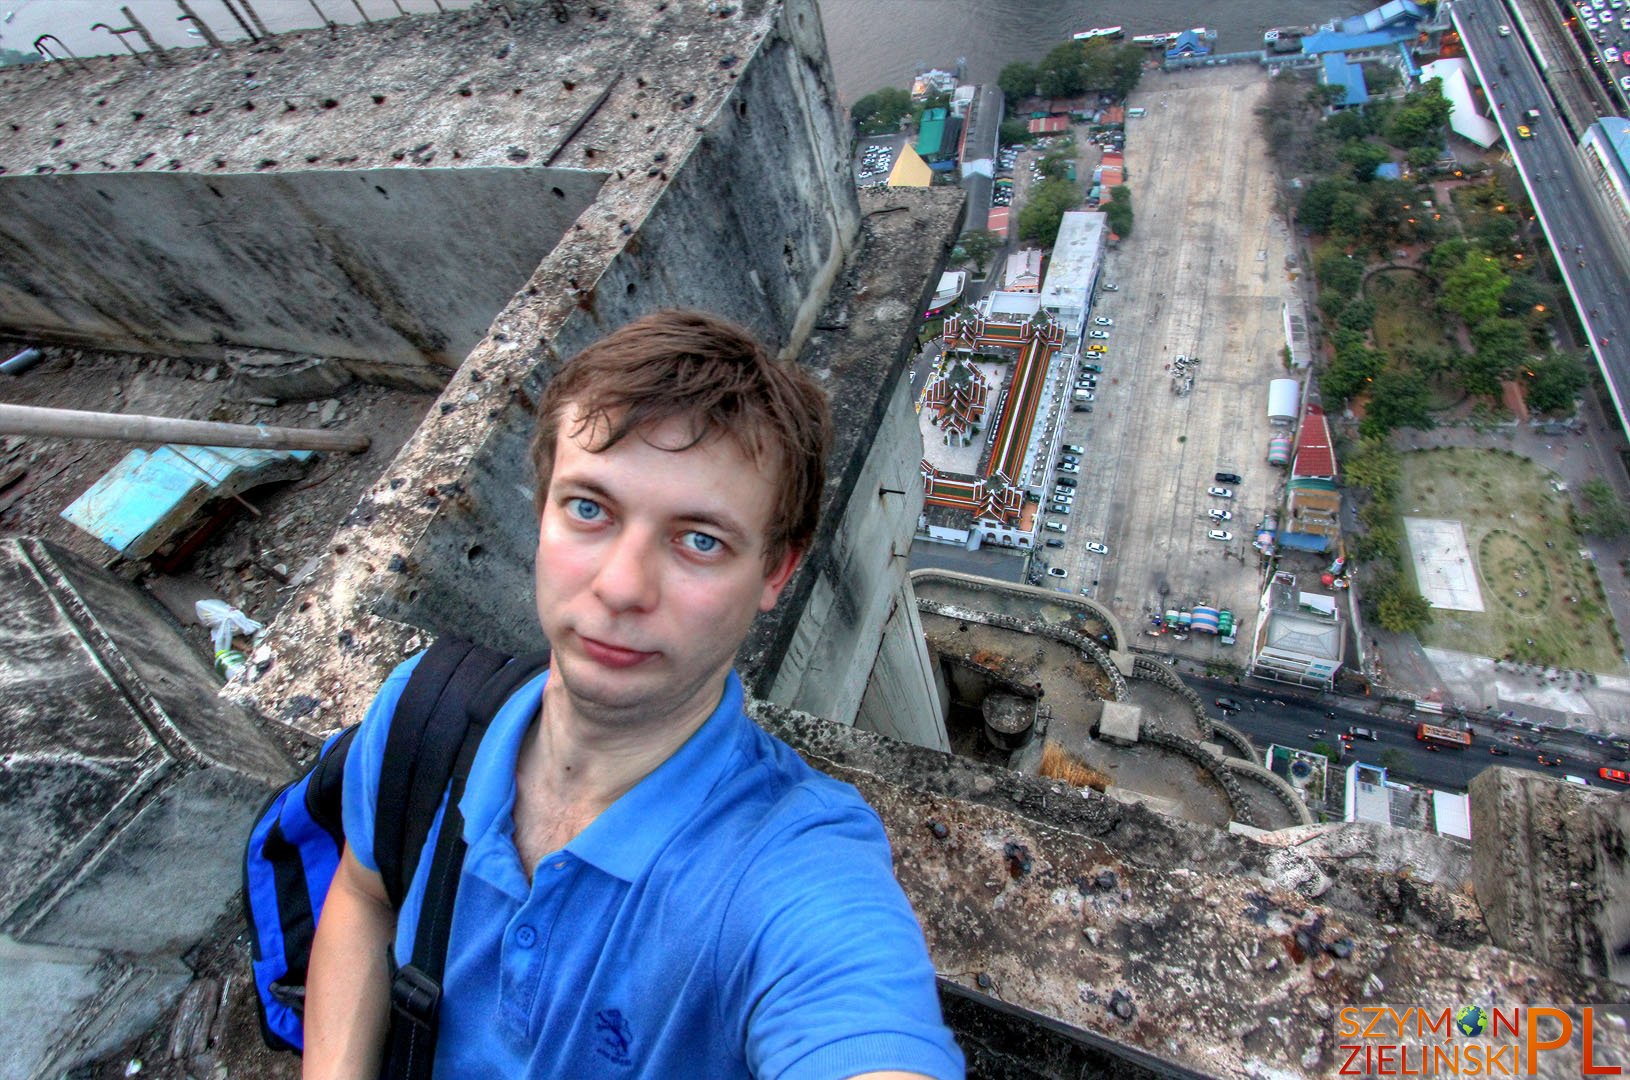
x: 715, y: 375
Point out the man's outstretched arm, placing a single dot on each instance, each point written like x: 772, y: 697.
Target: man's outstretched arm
x: 348, y: 986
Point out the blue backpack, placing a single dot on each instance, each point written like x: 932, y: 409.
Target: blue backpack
x: 294, y: 847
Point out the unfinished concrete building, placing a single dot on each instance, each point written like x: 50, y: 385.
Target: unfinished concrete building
x: 461, y: 201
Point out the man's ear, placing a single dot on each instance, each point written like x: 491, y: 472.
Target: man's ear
x: 777, y: 578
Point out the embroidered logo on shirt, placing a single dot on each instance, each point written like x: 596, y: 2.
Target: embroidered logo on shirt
x: 615, y: 1036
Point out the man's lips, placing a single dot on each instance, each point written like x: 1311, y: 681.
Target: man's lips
x: 609, y: 655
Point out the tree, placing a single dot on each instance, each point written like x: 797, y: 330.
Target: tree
x: 1604, y: 512
x: 1474, y: 288
x: 1364, y: 158
x: 1554, y: 382
x: 1382, y: 543
x: 9, y: 57
x: 1420, y: 119
x: 1375, y: 466
x: 1398, y: 398
x: 1324, y: 747
x: 1118, y: 211
x: 979, y: 245
x: 1126, y: 69
x: 1061, y: 72
x: 1048, y: 202
x: 881, y: 111
x: 1401, y: 609
x: 1015, y: 132
x: 1018, y: 80
x: 1318, y: 206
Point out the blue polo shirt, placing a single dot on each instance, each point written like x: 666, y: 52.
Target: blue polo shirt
x: 735, y: 914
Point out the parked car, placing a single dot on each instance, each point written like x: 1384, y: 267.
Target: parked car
x: 1066, y: 467
x: 1220, y: 492
x: 1051, y: 542
x: 1054, y: 526
x: 1220, y: 534
x: 1071, y: 458
x: 1111, y: 288
x: 1065, y: 481
x: 1227, y: 478
x: 1058, y: 508
x: 1101, y: 335
x: 1085, y: 395
x: 1097, y: 548
x: 1057, y: 571
x: 1220, y: 515
x: 1098, y: 368
x: 1103, y: 321
x: 1071, y: 448
x: 1097, y: 348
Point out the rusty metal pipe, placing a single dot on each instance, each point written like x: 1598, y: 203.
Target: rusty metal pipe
x: 121, y: 427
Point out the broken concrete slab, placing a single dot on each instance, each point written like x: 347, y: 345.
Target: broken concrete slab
x: 127, y: 789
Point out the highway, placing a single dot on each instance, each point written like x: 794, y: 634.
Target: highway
x: 1291, y: 718
x: 1590, y: 245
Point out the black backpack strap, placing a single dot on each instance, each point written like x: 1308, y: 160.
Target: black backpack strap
x: 427, y: 730
x: 416, y: 989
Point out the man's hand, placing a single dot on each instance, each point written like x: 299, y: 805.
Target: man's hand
x: 348, y: 986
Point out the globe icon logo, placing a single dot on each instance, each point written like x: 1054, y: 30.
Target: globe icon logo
x: 1472, y: 1020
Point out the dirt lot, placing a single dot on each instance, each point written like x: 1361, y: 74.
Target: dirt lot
x: 256, y: 546
x: 1204, y: 274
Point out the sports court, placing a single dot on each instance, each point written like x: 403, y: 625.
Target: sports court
x: 1444, y: 570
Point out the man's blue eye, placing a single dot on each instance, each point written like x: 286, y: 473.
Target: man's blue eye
x: 584, y: 509
x: 702, y: 542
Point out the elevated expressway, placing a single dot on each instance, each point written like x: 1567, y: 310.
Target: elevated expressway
x: 1526, y: 71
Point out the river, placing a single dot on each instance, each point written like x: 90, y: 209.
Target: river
x: 873, y: 43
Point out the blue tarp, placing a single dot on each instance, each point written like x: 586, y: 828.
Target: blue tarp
x: 145, y: 499
x: 1304, y: 541
x: 1388, y: 170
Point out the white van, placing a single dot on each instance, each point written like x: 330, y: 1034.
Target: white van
x: 1054, y: 526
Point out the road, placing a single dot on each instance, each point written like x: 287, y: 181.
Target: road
x: 1284, y: 716
x: 1590, y: 249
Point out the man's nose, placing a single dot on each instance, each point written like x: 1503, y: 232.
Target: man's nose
x: 627, y: 578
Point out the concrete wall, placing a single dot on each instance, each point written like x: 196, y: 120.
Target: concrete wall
x: 396, y: 268
x: 858, y: 641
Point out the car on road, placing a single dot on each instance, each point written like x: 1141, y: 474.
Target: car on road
x: 1097, y: 369
x: 1618, y: 776
x: 1220, y: 515
x: 1103, y: 321
x: 1624, y: 83
x: 1523, y: 132
x: 1499, y: 751
x: 1220, y: 534
x: 1220, y: 492
x: 1543, y: 760
x: 1504, y: 30
x: 1057, y: 571
x: 1108, y: 287
x: 1227, y: 704
x: 1097, y: 548
x: 1101, y: 335
x: 1226, y: 478
x: 1610, y: 54
x: 1052, y: 542
x: 1362, y: 733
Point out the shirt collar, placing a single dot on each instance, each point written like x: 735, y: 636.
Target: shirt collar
x: 629, y: 833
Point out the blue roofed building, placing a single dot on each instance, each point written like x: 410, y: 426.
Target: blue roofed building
x: 1339, y: 71
x: 1391, y: 23
x: 1188, y: 43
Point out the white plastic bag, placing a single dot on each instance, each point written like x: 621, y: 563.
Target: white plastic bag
x: 223, y: 621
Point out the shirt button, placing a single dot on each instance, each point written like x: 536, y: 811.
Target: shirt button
x: 526, y: 937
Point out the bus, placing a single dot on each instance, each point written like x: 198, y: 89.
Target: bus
x: 1618, y: 776
x: 1442, y: 736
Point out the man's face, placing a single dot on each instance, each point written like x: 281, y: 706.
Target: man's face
x: 650, y: 569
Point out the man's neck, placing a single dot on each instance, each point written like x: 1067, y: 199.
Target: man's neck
x: 577, y: 761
